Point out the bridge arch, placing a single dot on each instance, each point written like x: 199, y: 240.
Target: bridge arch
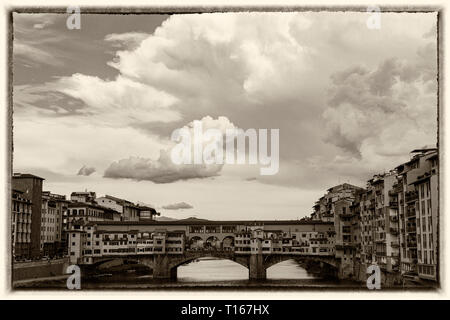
x: 196, y: 243
x: 179, y: 263
x: 213, y: 242
x: 271, y: 260
x: 228, y: 243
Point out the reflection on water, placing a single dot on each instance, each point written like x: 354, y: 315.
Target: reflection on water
x: 288, y: 270
x: 211, y: 269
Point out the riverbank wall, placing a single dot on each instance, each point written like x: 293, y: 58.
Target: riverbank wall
x: 356, y: 272
x: 39, y: 269
x: 388, y: 278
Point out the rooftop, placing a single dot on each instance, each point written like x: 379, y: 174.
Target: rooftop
x: 117, y: 199
x: 25, y: 176
x: 195, y: 221
x: 343, y: 186
x: 424, y: 149
x: 90, y: 205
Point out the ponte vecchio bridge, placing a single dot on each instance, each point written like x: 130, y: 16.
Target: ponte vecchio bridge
x: 165, y: 245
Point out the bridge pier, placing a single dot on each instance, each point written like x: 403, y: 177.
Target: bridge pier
x: 257, y: 271
x: 162, y: 269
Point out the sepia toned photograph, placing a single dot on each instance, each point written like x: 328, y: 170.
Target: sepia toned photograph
x: 240, y: 148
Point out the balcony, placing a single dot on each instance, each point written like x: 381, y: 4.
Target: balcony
x: 411, y: 196
x: 397, y: 188
x: 411, y: 213
x: 411, y: 229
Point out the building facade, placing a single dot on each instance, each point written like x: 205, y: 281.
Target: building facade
x: 147, y: 213
x: 89, y: 212
x: 324, y: 208
x: 83, y: 196
x: 128, y: 210
x: 21, y: 226
x: 54, y: 207
x: 418, y: 193
x: 31, y: 186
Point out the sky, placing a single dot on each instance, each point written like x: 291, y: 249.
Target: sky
x: 95, y: 108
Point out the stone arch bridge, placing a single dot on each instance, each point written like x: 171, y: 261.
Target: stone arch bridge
x: 165, y: 266
x: 223, y: 235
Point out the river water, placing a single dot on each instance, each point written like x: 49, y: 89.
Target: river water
x: 207, y: 269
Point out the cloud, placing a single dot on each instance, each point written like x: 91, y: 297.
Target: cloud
x: 90, y: 143
x: 43, y: 24
x: 163, y: 169
x: 121, y: 102
x: 387, y: 109
x: 160, y: 171
x: 86, y: 171
x: 32, y: 40
x: 214, y: 51
x: 178, y: 206
x: 129, y: 40
x: 34, y: 54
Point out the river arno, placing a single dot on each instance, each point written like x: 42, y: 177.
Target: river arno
x: 210, y: 274
x: 218, y: 273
